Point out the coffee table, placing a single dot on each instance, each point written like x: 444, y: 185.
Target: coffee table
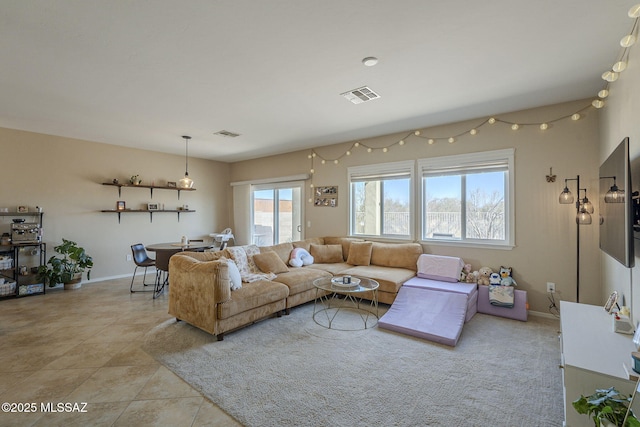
x: 334, y: 297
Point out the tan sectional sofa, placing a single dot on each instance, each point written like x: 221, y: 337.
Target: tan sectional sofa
x: 199, y: 283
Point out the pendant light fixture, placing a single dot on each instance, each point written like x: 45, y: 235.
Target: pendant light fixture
x: 186, y: 182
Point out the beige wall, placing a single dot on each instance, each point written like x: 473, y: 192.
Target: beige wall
x: 620, y: 118
x: 545, y: 230
x: 64, y: 176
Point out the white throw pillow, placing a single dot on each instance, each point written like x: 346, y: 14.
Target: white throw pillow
x: 235, y: 280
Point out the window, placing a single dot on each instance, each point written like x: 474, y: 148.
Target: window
x: 380, y: 200
x: 468, y: 198
x: 276, y: 213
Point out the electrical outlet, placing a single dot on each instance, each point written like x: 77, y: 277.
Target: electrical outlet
x: 551, y: 287
x: 128, y: 257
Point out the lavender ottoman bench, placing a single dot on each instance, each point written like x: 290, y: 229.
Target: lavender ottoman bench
x: 432, y: 315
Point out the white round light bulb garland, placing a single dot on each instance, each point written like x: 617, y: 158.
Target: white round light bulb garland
x: 609, y: 76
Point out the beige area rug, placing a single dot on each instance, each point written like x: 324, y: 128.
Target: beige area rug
x: 290, y: 371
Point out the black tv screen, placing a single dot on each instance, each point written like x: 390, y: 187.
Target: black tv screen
x: 616, y: 210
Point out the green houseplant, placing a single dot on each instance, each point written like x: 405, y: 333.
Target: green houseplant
x: 67, y: 268
x: 606, y: 404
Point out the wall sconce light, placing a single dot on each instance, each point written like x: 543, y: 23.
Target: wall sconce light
x: 615, y: 194
x: 584, y: 209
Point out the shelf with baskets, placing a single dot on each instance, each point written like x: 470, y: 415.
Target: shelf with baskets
x: 21, y: 253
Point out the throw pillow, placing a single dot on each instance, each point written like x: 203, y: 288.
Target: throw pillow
x: 235, y: 281
x: 360, y: 253
x: 325, y: 254
x: 243, y: 257
x: 270, y: 262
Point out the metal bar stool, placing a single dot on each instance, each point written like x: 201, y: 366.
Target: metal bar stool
x: 141, y: 259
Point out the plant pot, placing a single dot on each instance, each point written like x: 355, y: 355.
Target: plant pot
x: 74, y: 284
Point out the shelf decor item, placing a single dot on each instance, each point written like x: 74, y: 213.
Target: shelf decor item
x: 120, y: 205
x: 68, y: 268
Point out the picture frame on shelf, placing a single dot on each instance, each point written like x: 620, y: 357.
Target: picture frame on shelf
x: 612, y: 302
x: 171, y: 184
x: 153, y: 207
x: 23, y: 209
x: 121, y: 205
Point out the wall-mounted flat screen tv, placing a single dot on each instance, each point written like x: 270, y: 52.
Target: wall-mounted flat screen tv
x: 616, y: 206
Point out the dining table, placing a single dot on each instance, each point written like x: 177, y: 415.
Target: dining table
x: 164, y: 251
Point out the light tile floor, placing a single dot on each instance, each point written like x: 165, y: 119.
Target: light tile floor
x: 84, y: 346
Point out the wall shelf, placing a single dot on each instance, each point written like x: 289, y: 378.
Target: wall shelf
x: 150, y: 187
x: 146, y: 211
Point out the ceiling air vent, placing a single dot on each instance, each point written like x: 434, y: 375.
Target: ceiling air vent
x: 360, y: 95
x: 227, y: 134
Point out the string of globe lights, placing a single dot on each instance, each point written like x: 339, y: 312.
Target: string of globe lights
x: 608, y: 76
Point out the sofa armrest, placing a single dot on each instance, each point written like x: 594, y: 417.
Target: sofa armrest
x: 196, y: 287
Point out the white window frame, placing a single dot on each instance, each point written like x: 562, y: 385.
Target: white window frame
x: 471, y: 161
x: 381, y: 170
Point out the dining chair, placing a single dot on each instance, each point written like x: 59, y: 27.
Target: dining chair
x: 162, y: 266
x: 141, y: 259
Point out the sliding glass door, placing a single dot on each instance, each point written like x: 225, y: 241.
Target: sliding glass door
x: 276, y: 213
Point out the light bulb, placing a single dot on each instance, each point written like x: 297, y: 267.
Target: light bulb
x: 335, y: 162
x: 313, y: 154
x: 357, y: 144
x: 598, y: 103
x: 369, y: 150
x: 348, y: 153
x: 451, y: 140
x: 634, y: 12
x: 401, y: 142
x: 492, y: 121
x: 544, y: 126
x: 312, y: 171
x: 323, y: 161
x: 575, y: 117
x: 385, y: 149
x: 473, y: 131
x: 515, y: 126
x: 311, y: 185
x: 610, y: 76
x: 603, y: 93
x: 628, y: 40
x: 619, y: 66
x: 417, y: 133
x: 310, y: 200
x: 309, y: 156
x: 431, y: 141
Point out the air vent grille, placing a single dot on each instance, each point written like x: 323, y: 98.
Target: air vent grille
x: 360, y: 95
x: 227, y: 134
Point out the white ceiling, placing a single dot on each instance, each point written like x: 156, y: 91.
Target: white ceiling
x: 141, y: 73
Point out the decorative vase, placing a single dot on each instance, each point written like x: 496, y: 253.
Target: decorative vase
x: 74, y: 284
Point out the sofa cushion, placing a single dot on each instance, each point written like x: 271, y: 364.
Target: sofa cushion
x: 283, y: 250
x: 389, y: 278
x: 300, y: 279
x: 360, y: 253
x: 306, y: 244
x: 344, y: 241
x: 403, y: 255
x: 270, y: 262
x: 252, y: 295
x: 326, y: 253
x: 334, y: 268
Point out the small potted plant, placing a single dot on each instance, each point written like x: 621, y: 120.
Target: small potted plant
x: 68, y: 268
x: 607, y: 407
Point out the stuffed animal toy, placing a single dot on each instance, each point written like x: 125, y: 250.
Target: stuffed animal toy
x: 300, y: 257
x: 464, y: 274
x: 472, y: 277
x: 505, y: 277
x: 494, y: 279
x: 483, y: 276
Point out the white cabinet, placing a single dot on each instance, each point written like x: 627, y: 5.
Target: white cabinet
x: 593, y: 356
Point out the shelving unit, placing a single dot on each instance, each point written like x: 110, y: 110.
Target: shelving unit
x: 150, y: 187
x: 21, y: 260
x: 146, y: 211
